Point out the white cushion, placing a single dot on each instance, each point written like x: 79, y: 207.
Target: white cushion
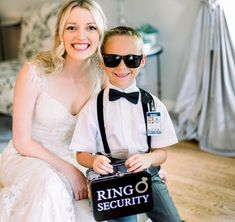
x: 84, y: 212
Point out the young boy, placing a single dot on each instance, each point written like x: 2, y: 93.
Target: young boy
x: 124, y: 122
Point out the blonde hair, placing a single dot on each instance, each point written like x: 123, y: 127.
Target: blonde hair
x: 53, y: 60
x: 123, y: 30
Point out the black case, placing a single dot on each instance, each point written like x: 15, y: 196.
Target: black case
x: 119, y: 194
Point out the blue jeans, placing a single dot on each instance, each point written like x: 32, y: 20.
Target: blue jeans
x: 164, y: 209
x: 132, y: 218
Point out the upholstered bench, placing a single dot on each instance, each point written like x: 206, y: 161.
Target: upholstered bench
x: 37, y: 29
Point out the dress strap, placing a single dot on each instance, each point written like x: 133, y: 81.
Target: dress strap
x: 36, y: 76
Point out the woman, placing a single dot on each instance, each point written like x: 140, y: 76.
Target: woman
x: 39, y: 177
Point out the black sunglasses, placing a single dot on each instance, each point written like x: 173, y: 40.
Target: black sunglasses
x: 131, y: 61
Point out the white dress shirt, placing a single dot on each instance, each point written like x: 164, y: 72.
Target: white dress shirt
x: 124, y: 126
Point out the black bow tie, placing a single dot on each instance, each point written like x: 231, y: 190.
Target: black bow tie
x: 115, y: 95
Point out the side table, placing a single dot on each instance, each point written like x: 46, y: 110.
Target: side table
x: 149, y: 77
x: 9, y: 28
x: 156, y: 51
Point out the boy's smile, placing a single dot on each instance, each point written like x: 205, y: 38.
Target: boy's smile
x: 121, y: 75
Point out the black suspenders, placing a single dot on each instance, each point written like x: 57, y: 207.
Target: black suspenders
x: 146, y: 99
x: 101, y: 121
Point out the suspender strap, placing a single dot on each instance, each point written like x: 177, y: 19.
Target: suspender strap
x: 146, y: 99
x: 101, y: 121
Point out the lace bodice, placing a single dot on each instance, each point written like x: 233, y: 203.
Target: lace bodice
x: 53, y: 124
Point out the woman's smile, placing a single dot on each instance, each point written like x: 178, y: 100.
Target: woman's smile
x: 81, y: 46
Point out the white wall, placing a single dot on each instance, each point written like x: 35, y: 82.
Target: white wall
x: 174, y: 19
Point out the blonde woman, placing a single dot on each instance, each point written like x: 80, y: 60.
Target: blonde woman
x: 40, y: 180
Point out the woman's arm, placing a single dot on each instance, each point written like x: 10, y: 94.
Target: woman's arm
x: 25, y: 96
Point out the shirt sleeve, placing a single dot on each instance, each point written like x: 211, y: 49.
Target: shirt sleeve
x: 167, y: 137
x: 85, y: 133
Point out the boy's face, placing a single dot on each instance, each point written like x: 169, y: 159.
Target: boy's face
x: 122, y: 76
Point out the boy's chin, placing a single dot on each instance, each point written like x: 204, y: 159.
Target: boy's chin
x: 122, y: 86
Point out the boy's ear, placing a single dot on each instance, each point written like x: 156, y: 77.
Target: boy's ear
x: 102, y: 64
x: 143, y: 61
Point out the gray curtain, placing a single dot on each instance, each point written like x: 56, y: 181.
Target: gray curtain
x: 205, y: 106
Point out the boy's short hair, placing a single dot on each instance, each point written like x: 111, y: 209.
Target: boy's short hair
x: 125, y: 31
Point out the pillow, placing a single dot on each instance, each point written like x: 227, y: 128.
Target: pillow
x: 37, y: 29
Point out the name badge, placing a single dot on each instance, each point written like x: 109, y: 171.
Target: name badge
x: 153, y: 123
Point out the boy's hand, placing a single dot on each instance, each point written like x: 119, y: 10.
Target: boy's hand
x: 137, y: 163
x: 101, y: 165
x: 163, y: 175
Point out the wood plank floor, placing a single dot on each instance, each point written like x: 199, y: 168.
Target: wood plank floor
x: 201, y: 184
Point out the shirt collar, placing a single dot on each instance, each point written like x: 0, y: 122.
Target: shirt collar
x: 131, y: 88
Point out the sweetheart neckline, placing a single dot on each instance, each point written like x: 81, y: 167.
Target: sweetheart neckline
x: 61, y: 105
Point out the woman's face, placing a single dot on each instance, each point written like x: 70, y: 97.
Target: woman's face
x: 81, y: 36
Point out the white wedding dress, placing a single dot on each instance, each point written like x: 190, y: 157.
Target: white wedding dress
x: 33, y: 191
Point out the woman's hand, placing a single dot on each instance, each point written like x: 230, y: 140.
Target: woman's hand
x: 77, y: 181
x: 102, y: 165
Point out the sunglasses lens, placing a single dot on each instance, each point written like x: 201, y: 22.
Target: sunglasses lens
x: 132, y: 61
x: 112, y: 60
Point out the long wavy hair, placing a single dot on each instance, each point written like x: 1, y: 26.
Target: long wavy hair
x: 53, y: 60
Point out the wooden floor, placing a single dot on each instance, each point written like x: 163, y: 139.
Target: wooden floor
x: 201, y: 184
